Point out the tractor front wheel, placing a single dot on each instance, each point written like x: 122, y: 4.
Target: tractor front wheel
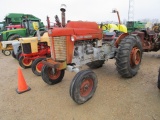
x: 37, y: 66
x: 83, y: 86
x: 25, y: 62
x: 51, y: 75
x: 128, y: 57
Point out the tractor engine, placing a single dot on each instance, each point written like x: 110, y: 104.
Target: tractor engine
x: 43, y: 48
x: 89, y: 51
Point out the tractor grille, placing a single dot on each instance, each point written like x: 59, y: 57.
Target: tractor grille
x: 60, y: 48
x: 26, y: 48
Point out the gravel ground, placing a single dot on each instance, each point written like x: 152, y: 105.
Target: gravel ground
x: 116, y: 98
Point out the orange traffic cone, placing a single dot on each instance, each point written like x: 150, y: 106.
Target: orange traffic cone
x: 22, y: 86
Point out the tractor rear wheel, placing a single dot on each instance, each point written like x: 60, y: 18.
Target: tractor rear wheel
x: 128, y: 57
x: 37, y: 66
x: 83, y: 86
x: 158, y: 85
x: 13, y: 54
x: 14, y: 37
x: 51, y: 76
x: 96, y: 64
x: 25, y: 62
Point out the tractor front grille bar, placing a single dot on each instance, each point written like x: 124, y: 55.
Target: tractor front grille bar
x: 60, y: 48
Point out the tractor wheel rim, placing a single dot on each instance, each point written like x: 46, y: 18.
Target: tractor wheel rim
x: 27, y: 62
x: 54, y: 75
x: 135, y: 56
x: 7, y: 52
x: 86, y: 87
x: 39, y: 66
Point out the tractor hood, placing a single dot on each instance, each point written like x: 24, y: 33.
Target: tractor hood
x: 19, y: 29
x: 44, y: 38
x: 77, y: 28
x: 28, y: 39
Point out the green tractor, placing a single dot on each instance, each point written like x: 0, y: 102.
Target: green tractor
x: 13, y: 19
x: 135, y: 25
x: 26, y: 29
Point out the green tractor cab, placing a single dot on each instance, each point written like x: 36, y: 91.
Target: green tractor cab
x: 26, y: 31
x: 135, y: 25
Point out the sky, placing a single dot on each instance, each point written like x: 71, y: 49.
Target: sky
x: 87, y: 10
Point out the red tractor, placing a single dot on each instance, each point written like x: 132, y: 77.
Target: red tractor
x: 150, y: 40
x: 83, y: 43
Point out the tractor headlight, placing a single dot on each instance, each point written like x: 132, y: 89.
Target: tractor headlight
x: 72, y: 38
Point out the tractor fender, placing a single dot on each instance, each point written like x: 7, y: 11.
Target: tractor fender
x: 118, y: 40
x: 12, y: 35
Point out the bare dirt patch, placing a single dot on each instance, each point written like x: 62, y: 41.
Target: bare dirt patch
x: 116, y: 98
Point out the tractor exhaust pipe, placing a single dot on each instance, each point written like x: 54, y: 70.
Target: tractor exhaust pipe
x: 63, y: 9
